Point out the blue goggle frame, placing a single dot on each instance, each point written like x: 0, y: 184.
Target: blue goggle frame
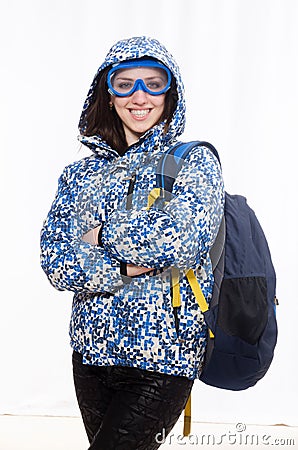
x: 139, y: 83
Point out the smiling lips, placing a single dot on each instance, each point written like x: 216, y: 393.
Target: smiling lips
x: 139, y: 113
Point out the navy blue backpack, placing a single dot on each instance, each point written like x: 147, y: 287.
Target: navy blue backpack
x: 241, y: 315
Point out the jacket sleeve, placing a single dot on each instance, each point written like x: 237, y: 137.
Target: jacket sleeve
x: 180, y: 234
x: 68, y: 261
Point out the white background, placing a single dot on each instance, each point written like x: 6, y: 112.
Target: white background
x: 239, y: 63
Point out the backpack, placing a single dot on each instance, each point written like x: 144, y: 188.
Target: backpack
x: 241, y: 315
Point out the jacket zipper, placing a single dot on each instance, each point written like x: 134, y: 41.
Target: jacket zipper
x: 175, y: 312
x: 130, y: 191
x: 131, y: 186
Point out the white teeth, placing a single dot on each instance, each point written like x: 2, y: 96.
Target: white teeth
x: 139, y: 112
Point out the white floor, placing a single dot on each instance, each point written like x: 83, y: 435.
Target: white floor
x: 67, y: 433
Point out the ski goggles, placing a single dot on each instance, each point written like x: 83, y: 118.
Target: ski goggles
x: 123, y: 86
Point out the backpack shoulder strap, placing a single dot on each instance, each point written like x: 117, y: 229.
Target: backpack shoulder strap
x: 171, y: 162
x: 167, y: 170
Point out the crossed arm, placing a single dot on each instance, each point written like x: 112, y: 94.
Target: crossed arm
x: 69, y: 256
x: 180, y: 235
x: 132, y: 270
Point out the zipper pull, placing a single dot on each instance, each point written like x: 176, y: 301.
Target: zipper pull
x: 130, y: 191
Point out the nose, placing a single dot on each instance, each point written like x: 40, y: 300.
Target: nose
x: 139, y: 97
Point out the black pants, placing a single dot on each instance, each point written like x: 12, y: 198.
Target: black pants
x: 125, y: 408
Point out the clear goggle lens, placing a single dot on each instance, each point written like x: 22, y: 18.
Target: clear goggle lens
x: 121, y: 85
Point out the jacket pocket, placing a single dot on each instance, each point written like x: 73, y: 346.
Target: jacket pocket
x: 243, y: 307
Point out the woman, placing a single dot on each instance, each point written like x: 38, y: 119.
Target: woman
x: 135, y: 357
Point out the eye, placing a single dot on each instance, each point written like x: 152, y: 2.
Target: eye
x: 156, y: 84
x: 122, y: 85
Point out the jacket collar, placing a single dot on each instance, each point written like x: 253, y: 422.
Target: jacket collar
x: 152, y: 139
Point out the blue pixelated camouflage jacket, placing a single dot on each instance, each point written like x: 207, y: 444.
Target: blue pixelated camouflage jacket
x: 117, y: 320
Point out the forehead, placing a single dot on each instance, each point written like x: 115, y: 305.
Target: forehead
x: 141, y: 72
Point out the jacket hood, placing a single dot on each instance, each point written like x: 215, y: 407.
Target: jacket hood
x: 134, y: 48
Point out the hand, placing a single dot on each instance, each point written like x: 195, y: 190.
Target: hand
x: 133, y: 270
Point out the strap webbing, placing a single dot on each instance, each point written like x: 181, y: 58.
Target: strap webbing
x: 152, y: 197
x: 187, y: 417
x: 196, y: 289
x: 176, y: 299
x: 194, y: 284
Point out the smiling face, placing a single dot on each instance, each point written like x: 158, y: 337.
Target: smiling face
x: 139, y: 111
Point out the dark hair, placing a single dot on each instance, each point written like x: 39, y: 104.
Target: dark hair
x: 100, y: 119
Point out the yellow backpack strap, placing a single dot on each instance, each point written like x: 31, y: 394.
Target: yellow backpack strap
x: 197, y: 291
x: 176, y: 301
x: 176, y: 298
x: 152, y: 197
x: 187, y: 417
